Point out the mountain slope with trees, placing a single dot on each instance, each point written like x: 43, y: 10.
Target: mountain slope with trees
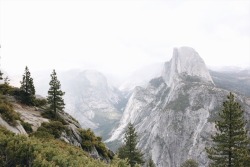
x: 29, y: 139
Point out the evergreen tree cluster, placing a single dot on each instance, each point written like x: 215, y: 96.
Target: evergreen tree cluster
x: 54, y: 98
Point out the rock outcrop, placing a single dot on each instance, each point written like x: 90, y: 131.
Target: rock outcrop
x: 18, y: 129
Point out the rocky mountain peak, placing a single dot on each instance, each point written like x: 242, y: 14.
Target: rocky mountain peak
x: 185, y: 62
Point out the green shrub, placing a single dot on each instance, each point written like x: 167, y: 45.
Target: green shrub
x: 27, y: 127
x: 119, y: 162
x: 42, y: 134
x: 48, y: 114
x: 18, y: 150
x: 40, y: 102
x: 8, y: 114
x: 22, y: 96
x: 27, y: 98
x: 89, y: 141
x: 5, y: 89
x: 101, y: 149
x: 53, y: 116
x: 5, y: 131
x: 55, y: 128
x: 15, y: 92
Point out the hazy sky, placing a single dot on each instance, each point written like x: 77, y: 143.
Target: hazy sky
x: 119, y: 36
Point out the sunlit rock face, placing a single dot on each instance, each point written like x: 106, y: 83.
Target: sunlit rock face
x: 174, y: 114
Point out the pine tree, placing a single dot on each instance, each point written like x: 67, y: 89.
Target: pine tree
x: 27, y: 83
x: 129, y: 150
x: 55, y: 94
x: 27, y: 87
x: 231, y: 141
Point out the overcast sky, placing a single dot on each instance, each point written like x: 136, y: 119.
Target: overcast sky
x: 120, y: 36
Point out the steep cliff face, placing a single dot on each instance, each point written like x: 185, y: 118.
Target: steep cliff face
x: 174, y: 114
x: 185, y: 61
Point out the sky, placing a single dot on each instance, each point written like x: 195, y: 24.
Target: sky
x: 120, y: 36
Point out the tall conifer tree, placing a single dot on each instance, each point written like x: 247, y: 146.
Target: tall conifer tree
x: 129, y: 150
x: 55, y: 95
x: 230, y: 141
x: 27, y: 84
x: 27, y: 88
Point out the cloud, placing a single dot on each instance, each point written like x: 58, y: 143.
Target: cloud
x: 120, y: 36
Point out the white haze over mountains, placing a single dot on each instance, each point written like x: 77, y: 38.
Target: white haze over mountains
x: 119, y: 37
